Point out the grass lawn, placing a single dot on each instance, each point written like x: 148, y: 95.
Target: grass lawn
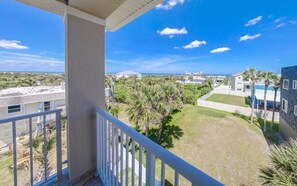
x: 222, y: 144
x: 229, y: 99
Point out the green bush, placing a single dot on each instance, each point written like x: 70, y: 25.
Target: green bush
x: 283, y: 165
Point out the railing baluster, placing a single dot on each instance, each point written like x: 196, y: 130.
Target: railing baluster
x: 59, y: 146
x: 44, y: 147
x: 163, y: 174
x: 101, y: 145
x: 30, y: 118
x: 150, y: 168
x: 122, y: 152
x: 109, y: 159
x: 176, y: 178
x: 133, y: 162
x: 105, y: 149
x: 31, y: 151
x: 140, y: 166
x: 117, y: 156
x: 98, y: 141
x: 127, y: 159
x: 15, y: 172
x: 153, y: 151
x: 112, y: 156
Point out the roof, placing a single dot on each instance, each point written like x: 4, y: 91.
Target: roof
x: 22, y: 91
x: 26, y: 95
x: 238, y: 74
x: 116, y: 13
x: 129, y: 73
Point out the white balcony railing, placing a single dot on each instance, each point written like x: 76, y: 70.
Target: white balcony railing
x: 29, y: 120
x: 115, y: 161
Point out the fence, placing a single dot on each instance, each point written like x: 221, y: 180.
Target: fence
x: 238, y: 110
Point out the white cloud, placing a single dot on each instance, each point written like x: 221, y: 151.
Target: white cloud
x: 194, y: 44
x: 168, y: 5
x: 156, y: 64
x: 248, y: 37
x: 11, y: 44
x: 280, y: 25
x: 279, y: 19
x: 23, y: 62
x: 292, y: 22
x: 219, y: 50
x: 253, y: 21
x: 176, y: 47
x: 171, y: 32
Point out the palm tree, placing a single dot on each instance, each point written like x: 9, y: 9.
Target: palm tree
x: 172, y: 101
x: 251, y: 74
x: 143, y: 107
x: 209, y: 82
x: 276, y: 85
x: 267, y: 77
x: 283, y: 165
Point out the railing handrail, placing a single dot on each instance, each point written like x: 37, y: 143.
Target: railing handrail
x: 182, y: 167
x: 27, y: 116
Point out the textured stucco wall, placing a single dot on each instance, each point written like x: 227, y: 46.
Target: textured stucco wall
x: 289, y: 119
x: 85, y: 63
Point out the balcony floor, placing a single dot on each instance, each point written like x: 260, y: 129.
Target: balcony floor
x: 90, y: 181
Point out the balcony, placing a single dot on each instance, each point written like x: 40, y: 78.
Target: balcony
x: 120, y: 155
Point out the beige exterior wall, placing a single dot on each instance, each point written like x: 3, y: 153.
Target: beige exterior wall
x: 286, y: 130
x: 23, y: 126
x: 85, y: 63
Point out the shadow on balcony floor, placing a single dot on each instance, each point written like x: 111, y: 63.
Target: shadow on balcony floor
x: 90, y: 181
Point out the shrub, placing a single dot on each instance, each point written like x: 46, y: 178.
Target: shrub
x: 283, y: 165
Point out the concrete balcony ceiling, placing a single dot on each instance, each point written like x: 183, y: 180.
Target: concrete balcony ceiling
x: 116, y: 13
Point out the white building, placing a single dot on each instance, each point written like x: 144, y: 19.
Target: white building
x: 126, y: 74
x: 239, y: 84
x: 28, y: 100
x: 197, y: 78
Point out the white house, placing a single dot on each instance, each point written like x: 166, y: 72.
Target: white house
x: 27, y: 100
x: 126, y: 74
x: 197, y: 78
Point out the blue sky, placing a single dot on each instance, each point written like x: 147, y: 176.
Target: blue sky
x: 211, y: 36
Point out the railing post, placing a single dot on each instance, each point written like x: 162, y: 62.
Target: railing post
x: 44, y: 147
x: 31, y: 151
x: 97, y: 143
x: 150, y: 168
x: 59, y: 145
x: 15, y: 172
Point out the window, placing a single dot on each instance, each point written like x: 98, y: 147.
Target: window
x: 294, y: 84
x: 47, y: 106
x: 285, y: 105
x: 295, y: 110
x: 14, y: 108
x: 286, y: 84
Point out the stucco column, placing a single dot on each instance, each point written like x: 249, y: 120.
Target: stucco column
x: 85, y: 49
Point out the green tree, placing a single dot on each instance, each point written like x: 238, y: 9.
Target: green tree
x: 208, y: 82
x: 276, y: 85
x: 283, y: 165
x: 251, y: 74
x: 268, y: 80
x: 144, y: 105
x: 172, y: 101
